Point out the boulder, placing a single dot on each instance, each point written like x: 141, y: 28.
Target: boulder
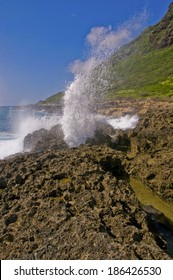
x: 42, y: 140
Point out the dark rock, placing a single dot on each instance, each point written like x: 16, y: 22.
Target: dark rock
x: 19, y: 179
x: 3, y: 183
x: 122, y: 142
x: 99, y: 138
x: 102, y: 135
x: 114, y: 166
x: 32, y: 139
x: 11, y: 219
x: 42, y: 140
x: 151, y: 176
x: 151, y: 210
x: 9, y: 237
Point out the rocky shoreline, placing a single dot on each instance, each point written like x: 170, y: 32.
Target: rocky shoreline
x: 61, y: 203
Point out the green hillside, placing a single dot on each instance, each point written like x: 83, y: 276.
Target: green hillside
x: 53, y: 99
x: 148, y: 75
x: 144, y: 67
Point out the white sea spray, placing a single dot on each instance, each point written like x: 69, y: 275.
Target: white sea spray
x: 79, y: 120
x: 24, y: 122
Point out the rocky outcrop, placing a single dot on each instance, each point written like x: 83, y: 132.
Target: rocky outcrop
x: 72, y: 204
x: 53, y: 139
x: 78, y: 203
x: 42, y: 140
x: 149, y: 146
x: 151, y: 151
x: 161, y: 35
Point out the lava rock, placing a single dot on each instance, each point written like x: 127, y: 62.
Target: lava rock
x: 42, y: 140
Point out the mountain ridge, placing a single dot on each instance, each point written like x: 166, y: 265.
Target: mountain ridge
x: 165, y: 28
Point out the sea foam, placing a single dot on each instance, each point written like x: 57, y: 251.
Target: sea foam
x: 24, y: 123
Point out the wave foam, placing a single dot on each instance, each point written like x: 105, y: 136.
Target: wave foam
x: 24, y: 125
x: 124, y: 123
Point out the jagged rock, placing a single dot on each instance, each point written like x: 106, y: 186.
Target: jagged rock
x: 42, y: 140
x: 162, y: 33
x: 19, y: 179
x: 78, y: 204
x: 3, y: 183
x: 100, y: 138
x: 75, y: 204
x: 31, y: 140
x: 11, y: 219
x: 151, y: 146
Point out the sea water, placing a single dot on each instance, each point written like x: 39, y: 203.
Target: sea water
x: 17, y: 122
x: 91, y: 81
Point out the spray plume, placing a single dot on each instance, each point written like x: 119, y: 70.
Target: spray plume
x: 92, y: 78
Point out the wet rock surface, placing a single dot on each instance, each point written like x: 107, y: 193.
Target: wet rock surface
x: 151, y: 151
x: 149, y: 147
x: 78, y: 203
x: 42, y: 140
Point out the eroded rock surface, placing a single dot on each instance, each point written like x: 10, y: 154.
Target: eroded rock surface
x: 149, y: 146
x: 42, y: 140
x: 72, y: 204
x: 78, y: 204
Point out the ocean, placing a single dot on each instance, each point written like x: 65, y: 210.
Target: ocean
x: 17, y: 122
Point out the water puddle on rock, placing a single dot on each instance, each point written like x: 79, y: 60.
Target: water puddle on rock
x: 159, y: 215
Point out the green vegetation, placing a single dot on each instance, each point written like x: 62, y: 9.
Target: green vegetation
x: 53, y: 99
x: 144, y: 67
x: 147, y: 197
x: 150, y: 74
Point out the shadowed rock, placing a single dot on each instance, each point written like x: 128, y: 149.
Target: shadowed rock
x: 42, y: 140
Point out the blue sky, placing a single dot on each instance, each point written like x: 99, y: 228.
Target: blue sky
x: 40, y: 38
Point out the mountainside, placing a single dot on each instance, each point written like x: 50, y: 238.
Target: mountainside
x: 144, y: 67
x: 162, y: 33
x: 53, y: 99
